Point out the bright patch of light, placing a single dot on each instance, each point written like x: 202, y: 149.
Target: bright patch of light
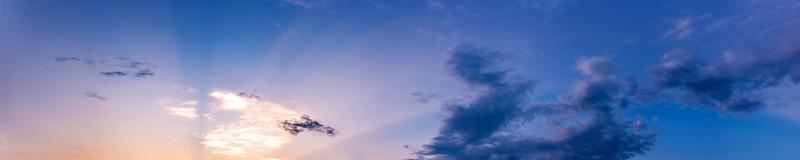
x: 185, y: 109
x: 231, y: 101
x: 255, y: 132
x: 239, y: 139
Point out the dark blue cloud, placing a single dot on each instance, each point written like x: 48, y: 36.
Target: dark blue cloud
x: 604, y: 134
x: 76, y: 59
x: 114, y: 74
x: 306, y: 124
x: 471, y: 123
x: 249, y: 95
x: 478, y: 128
x: 603, y: 138
x: 731, y: 83
x: 66, y: 59
x: 481, y: 127
x: 143, y: 73
x: 606, y: 137
x: 473, y: 66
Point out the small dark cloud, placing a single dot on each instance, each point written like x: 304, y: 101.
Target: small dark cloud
x: 144, y: 73
x: 95, y: 96
x: 423, y: 97
x: 306, y: 124
x: 731, y: 84
x: 75, y: 59
x: 66, y: 59
x: 138, y: 65
x: 248, y: 95
x: 134, y: 68
x: 122, y: 58
x: 473, y: 66
x: 114, y: 74
x: 117, y: 67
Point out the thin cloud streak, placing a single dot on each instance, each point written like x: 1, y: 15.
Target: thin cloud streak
x: 186, y: 109
x: 95, y: 96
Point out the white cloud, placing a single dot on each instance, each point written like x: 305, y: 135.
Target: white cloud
x: 231, y: 101
x: 186, y: 109
x: 255, y: 132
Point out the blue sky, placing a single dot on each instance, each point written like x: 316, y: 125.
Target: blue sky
x: 710, y: 79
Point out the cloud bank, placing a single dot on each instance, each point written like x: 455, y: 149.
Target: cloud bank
x: 483, y: 126
x: 590, y: 115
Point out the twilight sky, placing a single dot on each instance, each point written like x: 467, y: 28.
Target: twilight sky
x: 398, y: 79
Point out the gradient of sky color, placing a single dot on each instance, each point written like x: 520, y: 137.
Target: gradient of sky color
x: 353, y: 65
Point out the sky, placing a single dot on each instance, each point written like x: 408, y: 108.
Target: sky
x: 399, y: 79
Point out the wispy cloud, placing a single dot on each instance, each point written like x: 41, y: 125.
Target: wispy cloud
x: 307, y: 3
x: 261, y: 126
x: 548, y: 8
x: 114, y: 74
x: 66, y: 58
x: 451, y: 9
x: 116, y: 67
x: 423, y: 97
x: 186, y: 109
x: 682, y: 28
x: 95, y: 96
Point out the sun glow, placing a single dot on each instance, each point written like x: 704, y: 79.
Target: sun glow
x: 255, y: 132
